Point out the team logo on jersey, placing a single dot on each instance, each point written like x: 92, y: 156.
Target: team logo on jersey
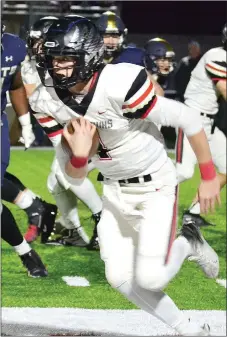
x: 9, y: 58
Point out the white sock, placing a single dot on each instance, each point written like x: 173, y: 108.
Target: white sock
x: 24, y: 200
x: 195, y: 208
x: 86, y: 192
x: 160, y: 306
x: 32, y: 194
x: 23, y: 248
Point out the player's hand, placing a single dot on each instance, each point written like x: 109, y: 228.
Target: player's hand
x: 81, y: 140
x: 28, y: 136
x: 209, y: 195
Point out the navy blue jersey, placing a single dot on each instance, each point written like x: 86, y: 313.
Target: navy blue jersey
x: 13, y: 53
x: 130, y: 55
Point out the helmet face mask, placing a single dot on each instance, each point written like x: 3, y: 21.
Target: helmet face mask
x: 113, y: 31
x: 73, y: 51
x: 159, y: 57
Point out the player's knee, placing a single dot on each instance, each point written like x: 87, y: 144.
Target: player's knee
x: 184, y: 173
x: 150, y: 275
x: 116, y: 274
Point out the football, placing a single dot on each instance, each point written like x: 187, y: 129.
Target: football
x: 66, y: 147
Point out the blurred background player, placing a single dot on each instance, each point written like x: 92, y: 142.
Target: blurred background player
x: 12, y: 54
x: 64, y: 194
x: 186, y: 66
x: 114, y: 35
x: 206, y: 86
x: 159, y: 61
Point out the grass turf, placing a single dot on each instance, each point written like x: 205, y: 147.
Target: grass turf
x: 190, y: 289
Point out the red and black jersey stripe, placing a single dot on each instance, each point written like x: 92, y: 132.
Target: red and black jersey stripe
x: 137, y: 84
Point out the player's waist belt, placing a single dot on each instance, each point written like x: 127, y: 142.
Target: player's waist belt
x: 135, y: 180
x: 207, y: 115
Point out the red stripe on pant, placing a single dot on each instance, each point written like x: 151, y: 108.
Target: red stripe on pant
x: 173, y: 225
x: 179, y: 147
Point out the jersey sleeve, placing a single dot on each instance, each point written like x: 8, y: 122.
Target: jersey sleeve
x: 51, y: 127
x: 142, y: 102
x: 140, y: 98
x: 216, y: 65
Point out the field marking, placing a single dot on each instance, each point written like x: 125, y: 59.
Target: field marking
x: 76, y: 281
x: 117, y: 322
x: 221, y: 282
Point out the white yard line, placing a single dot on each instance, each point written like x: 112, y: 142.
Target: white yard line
x: 221, y: 282
x: 76, y: 281
x: 117, y: 322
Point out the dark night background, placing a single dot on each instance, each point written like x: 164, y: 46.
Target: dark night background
x: 174, y: 17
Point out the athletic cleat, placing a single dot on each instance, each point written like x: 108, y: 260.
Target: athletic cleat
x: 198, y: 219
x: 32, y: 233
x: 41, y: 217
x: 33, y: 264
x: 94, y: 242
x: 48, y: 220
x: 72, y: 239
x: 202, y: 253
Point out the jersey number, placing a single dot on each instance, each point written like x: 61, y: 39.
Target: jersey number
x: 103, y: 152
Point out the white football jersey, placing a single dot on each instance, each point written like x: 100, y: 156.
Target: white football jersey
x: 201, y: 93
x: 29, y: 73
x: 121, y: 102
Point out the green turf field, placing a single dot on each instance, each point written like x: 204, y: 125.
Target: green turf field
x: 190, y: 289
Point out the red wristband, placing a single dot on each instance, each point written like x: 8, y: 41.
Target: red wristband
x: 207, y: 170
x: 79, y: 162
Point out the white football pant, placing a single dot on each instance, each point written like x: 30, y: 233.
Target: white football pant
x: 186, y: 159
x: 136, y: 231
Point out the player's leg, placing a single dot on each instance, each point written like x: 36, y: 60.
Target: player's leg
x: 11, y: 234
x: 119, y: 269
x: 185, y: 164
x: 36, y: 209
x: 160, y: 256
x: 185, y: 158
x: 217, y: 142
x: 67, y: 204
x: 20, y: 185
x: 86, y: 192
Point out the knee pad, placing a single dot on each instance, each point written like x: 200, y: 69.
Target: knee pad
x: 150, y: 273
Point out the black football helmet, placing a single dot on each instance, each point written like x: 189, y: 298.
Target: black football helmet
x: 224, y: 36
x: 37, y: 32
x: 78, y: 39
x: 111, y: 24
x: 156, y: 49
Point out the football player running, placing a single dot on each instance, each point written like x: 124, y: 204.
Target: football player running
x: 137, y: 226
x: 65, y: 194
x: 207, y: 84
x: 12, y: 54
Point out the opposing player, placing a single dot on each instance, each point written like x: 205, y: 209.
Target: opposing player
x: 114, y: 35
x: 11, y: 81
x: 13, y: 189
x: 159, y: 61
x: 139, y: 206
x: 207, y: 84
x: 65, y: 194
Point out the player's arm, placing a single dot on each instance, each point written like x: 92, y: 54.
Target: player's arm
x: 158, y: 89
x: 20, y: 105
x: 83, y: 145
x: 144, y: 104
x: 217, y: 71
